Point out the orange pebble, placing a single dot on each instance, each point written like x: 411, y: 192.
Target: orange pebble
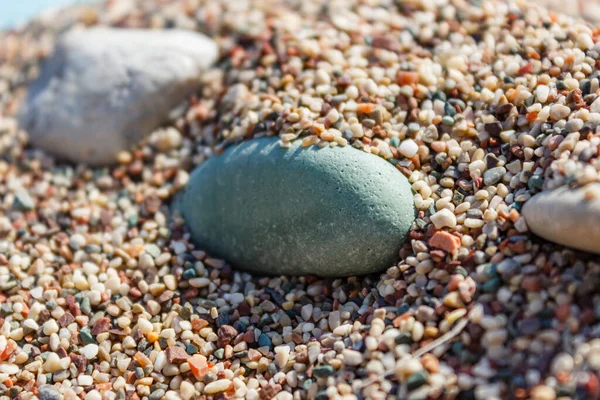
x: 198, y: 366
x: 365, y: 108
x: 445, y: 241
x: 152, y: 337
x: 199, y: 323
x: 142, y: 359
x: 407, y: 78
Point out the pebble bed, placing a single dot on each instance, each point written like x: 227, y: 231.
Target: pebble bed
x: 480, y: 104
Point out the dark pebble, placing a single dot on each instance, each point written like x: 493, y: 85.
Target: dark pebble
x: 323, y: 371
x: 263, y: 340
x: 416, y: 380
x: 493, y: 128
x: 403, y: 338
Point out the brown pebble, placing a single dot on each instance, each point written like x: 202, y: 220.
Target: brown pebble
x: 66, y: 319
x: 199, y: 323
x: 101, y: 326
x: 176, y: 354
x: 225, y: 334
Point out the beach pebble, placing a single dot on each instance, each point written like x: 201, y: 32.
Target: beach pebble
x: 352, y: 357
x: 330, y: 212
x: 559, y: 111
x: 443, y: 218
x: 47, y: 392
x: 90, y: 351
x: 408, y: 148
x: 220, y: 385
x: 445, y: 241
x: 494, y: 175
x: 566, y: 216
x: 6, y: 368
x: 595, y: 106
x: 104, y: 89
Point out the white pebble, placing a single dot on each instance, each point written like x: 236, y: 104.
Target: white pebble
x: 85, y: 380
x: 352, y: 357
x: 93, y: 395
x: 542, y: 92
x: 50, y: 327
x: 144, y: 326
x: 408, y: 148
x: 220, y: 385
x: 559, y: 111
x: 90, y: 351
x: 443, y: 218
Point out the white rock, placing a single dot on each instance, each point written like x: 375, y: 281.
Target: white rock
x: 145, y: 326
x: 563, y: 362
x: 10, y: 369
x: 283, y: 395
x: 443, y: 218
x: 160, y: 362
x: 93, y: 395
x: 220, y: 385
x: 187, y: 390
x: 85, y: 380
x: 90, y: 351
x: 52, y: 363
x: 407, y: 366
x: 30, y: 324
x: 282, y: 355
x: 352, y: 357
x: 595, y: 106
x: 542, y: 92
x: 199, y: 282
x: 559, y: 111
x: 306, y: 312
x: 50, y: 327
x: 104, y: 89
x: 567, y: 216
x: 408, y: 148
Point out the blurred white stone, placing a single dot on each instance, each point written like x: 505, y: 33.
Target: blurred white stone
x: 104, y: 89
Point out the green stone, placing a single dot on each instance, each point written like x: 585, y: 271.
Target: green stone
x: 447, y: 120
x: 417, y: 380
x: 86, y: 306
x: 404, y: 338
x: 270, y: 210
x: 323, y: 371
x: 86, y: 336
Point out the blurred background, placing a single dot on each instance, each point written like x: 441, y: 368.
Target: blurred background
x: 14, y: 12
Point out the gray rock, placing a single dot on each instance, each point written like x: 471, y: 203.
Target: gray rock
x: 48, y: 392
x: 567, y: 216
x: 269, y: 210
x: 104, y: 89
x: 493, y: 175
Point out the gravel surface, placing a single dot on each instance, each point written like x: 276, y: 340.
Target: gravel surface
x: 479, y: 104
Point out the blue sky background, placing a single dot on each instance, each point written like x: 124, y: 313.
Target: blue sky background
x: 14, y: 12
